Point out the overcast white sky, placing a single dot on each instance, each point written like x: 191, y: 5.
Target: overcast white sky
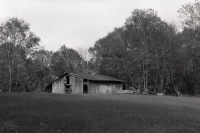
x: 79, y: 23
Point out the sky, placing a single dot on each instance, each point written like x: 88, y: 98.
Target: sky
x: 80, y: 23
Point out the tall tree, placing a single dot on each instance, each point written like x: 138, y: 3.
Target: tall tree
x: 106, y: 54
x: 138, y: 52
x: 190, y: 45
x: 66, y: 60
x: 84, y: 54
x: 41, y: 74
x: 149, y: 39
x: 16, y: 35
x: 190, y: 14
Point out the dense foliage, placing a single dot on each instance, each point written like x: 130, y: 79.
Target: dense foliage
x: 152, y: 55
x: 146, y: 52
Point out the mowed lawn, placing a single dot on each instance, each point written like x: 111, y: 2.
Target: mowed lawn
x: 59, y: 113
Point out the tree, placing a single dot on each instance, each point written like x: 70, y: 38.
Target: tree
x: 106, y: 54
x: 190, y: 46
x: 84, y: 54
x: 191, y: 14
x: 139, y: 52
x: 149, y: 39
x: 3, y: 69
x: 65, y: 60
x: 15, y: 34
x: 41, y: 74
x: 191, y: 55
x: 140, y: 35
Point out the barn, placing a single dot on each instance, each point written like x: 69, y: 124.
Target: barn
x: 84, y: 83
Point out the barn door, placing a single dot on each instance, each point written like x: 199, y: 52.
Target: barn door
x: 68, y: 88
x: 85, y: 89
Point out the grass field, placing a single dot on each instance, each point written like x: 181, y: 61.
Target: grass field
x: 57, y: 113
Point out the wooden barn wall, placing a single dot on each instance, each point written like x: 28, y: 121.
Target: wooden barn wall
x: 58, y: 86
x: 103, y: 87
x: 76, y: 85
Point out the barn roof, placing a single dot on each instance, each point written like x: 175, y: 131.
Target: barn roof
x: 96, y: 77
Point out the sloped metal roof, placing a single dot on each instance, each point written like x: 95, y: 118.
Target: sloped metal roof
x: 96, y: 77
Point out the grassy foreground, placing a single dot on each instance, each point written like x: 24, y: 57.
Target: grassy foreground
x: 57, y: 113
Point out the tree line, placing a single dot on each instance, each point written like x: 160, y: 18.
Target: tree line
x: 148, y: 53
x: 25, y: 65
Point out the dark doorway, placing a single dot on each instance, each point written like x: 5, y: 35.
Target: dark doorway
x: 67, y: 79
x: 85, y: 89
x: 68, y: 88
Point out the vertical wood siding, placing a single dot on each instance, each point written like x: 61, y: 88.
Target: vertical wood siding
x: 76, y: 84
x: 104, y: 87
x: 94, y: 87
x: 58, y: 86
